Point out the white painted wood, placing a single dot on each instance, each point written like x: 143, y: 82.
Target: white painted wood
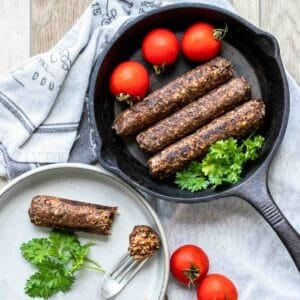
x: 249, y: 9
x: 14, y: 32
x: 51, y: 19
x: 14, y: 36
x: 282, y: 18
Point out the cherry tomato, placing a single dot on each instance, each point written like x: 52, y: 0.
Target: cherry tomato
x: 160, y: 48
x: 129, y: 81
x: 216, y: 287
x: 189, y: 264
x: 202, y: 42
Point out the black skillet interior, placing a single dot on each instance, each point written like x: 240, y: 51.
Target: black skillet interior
x: 255, y: 55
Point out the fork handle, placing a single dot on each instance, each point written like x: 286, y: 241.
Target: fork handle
x: 99, y: 295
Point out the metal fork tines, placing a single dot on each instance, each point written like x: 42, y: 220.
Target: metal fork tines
x: 123, y: 271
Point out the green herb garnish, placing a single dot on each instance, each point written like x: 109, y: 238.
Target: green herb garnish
x: 222, y: 164
x: 57, y: 258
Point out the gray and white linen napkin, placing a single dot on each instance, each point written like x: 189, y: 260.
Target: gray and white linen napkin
x: 44, y: 120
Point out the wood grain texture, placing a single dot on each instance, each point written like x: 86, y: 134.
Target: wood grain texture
x: 14, y: 37
x: 249, y: 9
x: 281, y: 18
x: 51, y: 19
x: 14, y: 32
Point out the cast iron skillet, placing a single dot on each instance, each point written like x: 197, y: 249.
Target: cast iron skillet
x: 255, y: 55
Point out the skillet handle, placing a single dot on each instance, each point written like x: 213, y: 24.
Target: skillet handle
x: 256, y: 192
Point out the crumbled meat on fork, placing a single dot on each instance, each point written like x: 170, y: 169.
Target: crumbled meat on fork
x: 143, y: 241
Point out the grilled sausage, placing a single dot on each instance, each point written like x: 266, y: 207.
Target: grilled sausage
x: 194, y: 115
x: 72, y: 215
x: 173, y: 96
x: 238, y: 122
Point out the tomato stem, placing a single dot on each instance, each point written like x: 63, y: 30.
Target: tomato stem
x: 122, y: 97
x: 192, y: 274
x: 219, y: 33
x: 159, y: 69
x: 126, y: 97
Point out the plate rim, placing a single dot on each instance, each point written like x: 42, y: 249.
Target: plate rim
x: 84, y: 167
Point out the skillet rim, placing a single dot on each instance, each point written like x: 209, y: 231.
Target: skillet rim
x: 264, y: 165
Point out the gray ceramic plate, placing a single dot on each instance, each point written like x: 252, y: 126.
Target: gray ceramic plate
x: 83, y: 183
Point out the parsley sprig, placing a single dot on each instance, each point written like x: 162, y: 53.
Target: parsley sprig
x: 57, y: 258
x: 223, y: 163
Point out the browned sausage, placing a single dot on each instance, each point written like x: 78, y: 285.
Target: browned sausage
x: 238, y: 122
x: 72, y: 215
x: 173, y: 96
x: 194, y: 115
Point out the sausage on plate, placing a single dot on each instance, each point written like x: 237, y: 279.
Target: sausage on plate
x: 194, y: 115
x: 59, y: 213
x: 173, y: 96
x: 243, y: 120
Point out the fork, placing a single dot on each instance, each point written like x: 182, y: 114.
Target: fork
x: 122, y: 272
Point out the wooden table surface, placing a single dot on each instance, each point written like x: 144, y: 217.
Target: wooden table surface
x: 28, y: 27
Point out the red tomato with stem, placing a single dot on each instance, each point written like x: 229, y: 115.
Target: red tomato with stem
x: 216, y: 287
x: 160, y: 48
x: 201, y: 41
x: 129, y: 81
x: 189, y: 264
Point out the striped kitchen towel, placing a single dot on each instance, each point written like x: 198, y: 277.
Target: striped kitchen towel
x: 43, y: 113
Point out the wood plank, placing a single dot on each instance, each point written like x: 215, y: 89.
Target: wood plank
x: 14, y: 37
x: 14, y: 32
x: 249, y: 10
x: 51, y: 19
x: 281, y: 17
